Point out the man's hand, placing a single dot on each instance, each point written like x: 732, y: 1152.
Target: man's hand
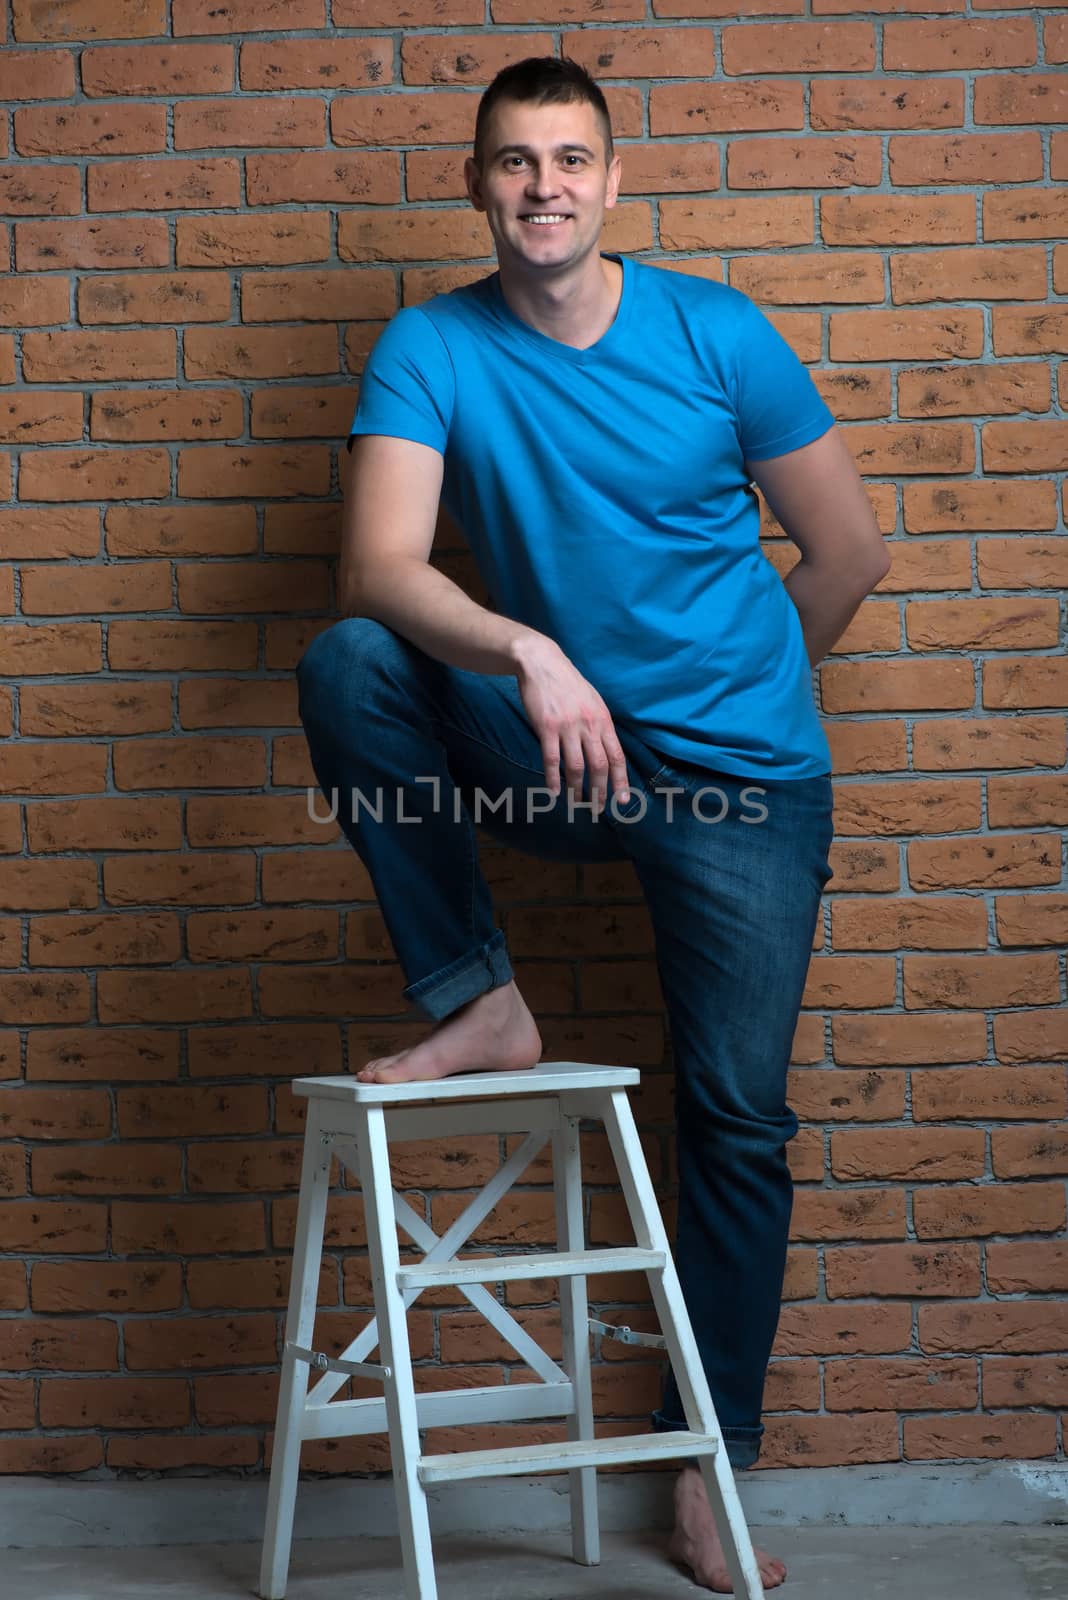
x: 571, y: 721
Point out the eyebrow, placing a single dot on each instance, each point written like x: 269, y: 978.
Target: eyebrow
x: 526, y: 150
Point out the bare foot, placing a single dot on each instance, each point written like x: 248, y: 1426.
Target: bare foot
x: 492, y: 1033
x: 695, y: 1543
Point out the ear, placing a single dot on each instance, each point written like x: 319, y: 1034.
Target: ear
x: 615, y: 174
x: 473, y: 181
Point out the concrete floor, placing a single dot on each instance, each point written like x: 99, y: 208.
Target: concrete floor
x: 953, y: 1563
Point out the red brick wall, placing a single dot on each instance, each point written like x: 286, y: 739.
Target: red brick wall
x: 206, y: 228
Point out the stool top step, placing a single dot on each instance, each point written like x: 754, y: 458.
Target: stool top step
x: 548, y: 1077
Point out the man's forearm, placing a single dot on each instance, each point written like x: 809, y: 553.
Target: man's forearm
x: 826, y: 604
x: 423, y: 605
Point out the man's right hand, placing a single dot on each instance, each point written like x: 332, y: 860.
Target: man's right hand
x: 572, y: 723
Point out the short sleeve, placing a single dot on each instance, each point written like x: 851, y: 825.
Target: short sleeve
x: 779, y: 407
x: 408, y: 386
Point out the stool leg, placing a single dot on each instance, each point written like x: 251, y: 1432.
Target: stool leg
x: 649, y: 1230
x: 575, y: 1318
x: 401, y: 1409
x: 293, y: 1390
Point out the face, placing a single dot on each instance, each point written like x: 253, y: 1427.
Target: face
x: 544, y: 184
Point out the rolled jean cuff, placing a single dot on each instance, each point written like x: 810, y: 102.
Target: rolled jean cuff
x: 742, y: 1444
x: 451, y: 987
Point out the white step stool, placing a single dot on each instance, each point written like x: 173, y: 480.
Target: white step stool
x: 355, y: 1122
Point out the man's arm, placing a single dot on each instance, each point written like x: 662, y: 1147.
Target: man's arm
x: 385, y: 573
x: 818, y: 498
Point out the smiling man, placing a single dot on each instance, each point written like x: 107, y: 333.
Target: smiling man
x: 640, y: 690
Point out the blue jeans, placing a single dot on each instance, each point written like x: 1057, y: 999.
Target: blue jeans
x: 733, y: 904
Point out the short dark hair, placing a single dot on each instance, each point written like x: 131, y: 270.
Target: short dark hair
x: 543, y: 80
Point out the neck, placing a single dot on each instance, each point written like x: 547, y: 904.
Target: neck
x: 575, y: 307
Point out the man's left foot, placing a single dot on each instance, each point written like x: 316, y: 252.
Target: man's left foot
x: 695, y: 1543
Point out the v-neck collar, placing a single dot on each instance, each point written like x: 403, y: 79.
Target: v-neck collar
x: 556, y: 347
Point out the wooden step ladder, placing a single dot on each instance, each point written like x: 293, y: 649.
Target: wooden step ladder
x: 355, y: 1122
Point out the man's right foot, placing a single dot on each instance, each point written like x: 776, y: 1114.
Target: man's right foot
x: 495, y: 1032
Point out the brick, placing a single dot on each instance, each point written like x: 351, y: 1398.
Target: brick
x: 1031, y: 919
x: 665, y: 168
x: 78, y: 20
x: 188, y: 763
x: 103, y: 940
x: 46, y: 885
x: 988, y: 624
x: 1019, y: 859
x: 263, y: 936
x: 336, y: 63
x: 139, y: 414
x: 905, y: 335
x: 736, y: 223
x: 42, y: 418
x: 973, y: 391
x: 887, y: 103
x: 861, y: 219
x: 564, y: 10
x: 792, y: 1441
x: 111, y: 242
x: 253, y: 820
x: 1002, y: 742
x: 392, y: 13
x: 26, y: 534
x: 241, y: 587
x: 800, y: 47
x: 1024, y: 446
x: 808, y: 279
x: 848, y: 1214
x: 1021, y: 1268
x: 967, y: 158
x: 643, y: 52
x: 245, y: 16
x: 974, y: 1093
x: 162, y: 879
x: 32, y: 302
x: 44, y: 997
x: 71, y: 1454
x: 330, y: 295
x: 834, y: 1095
x: 844, y: 1330
x: 7, y: 351
x: 115, y: 1402
x: 979, y: 1438
x: 242, y: 123
x: 977, y: 507
x: 1041, y: 1151
x: 260, y: 352
x: 689, y: 108
x: 474, y: 58
x: 28, y: 191
x: 278, y: 240
x: 88, y: 130
x: 1025, y: 214
x: 50, y: 648
x: 105, y: 824
x: 262, y: 1049
x: 337, y: 177
x: 902, y: 447
x: 80, y: 709
x: 95, y: 475
x: 1031, y: 1036
x: 35, y: 75
x: 315, y: 875
x: 908, y: 1384
x: 956, y: 45
x: 404, y: 117
x: 148, y: 996
x: 968, y: 274
x: 90, y: 589
x: 295, y: 411
x: 176, y: 646
x: 167, y: 297
x: 180, y: 531
x: 88, y: 357
x: 910, y: 1270
x: 254, y: 471
x: 918, y: 1154
x: 163, y: 69
x: 895, y: 686
x: 369, y: 990
x: 1008, y: 1381
x: 412, y: 235
x: 237, y: 703
x: 952, y: 1212
x: 1028, y: 331
x: 908, y: 1040
x: 803, y: 163
x: 193, y: 1342
x: 165, y: 185
x: 1024, y: 97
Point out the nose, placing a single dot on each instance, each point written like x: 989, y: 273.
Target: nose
x: 542, y: 180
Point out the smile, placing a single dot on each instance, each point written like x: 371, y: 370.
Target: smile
x: 543, y: 218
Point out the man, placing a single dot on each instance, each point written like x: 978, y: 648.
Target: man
x: 595, y: 426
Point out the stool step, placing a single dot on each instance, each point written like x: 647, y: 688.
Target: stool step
x: 574, y: 1453
x: 501, y: 1269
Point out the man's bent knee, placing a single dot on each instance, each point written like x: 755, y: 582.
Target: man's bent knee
x: 345, y: 659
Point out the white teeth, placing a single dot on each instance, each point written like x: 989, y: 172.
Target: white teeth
x: 541, y: 219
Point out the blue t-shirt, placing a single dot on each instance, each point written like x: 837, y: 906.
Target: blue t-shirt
x: 606, y: 501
